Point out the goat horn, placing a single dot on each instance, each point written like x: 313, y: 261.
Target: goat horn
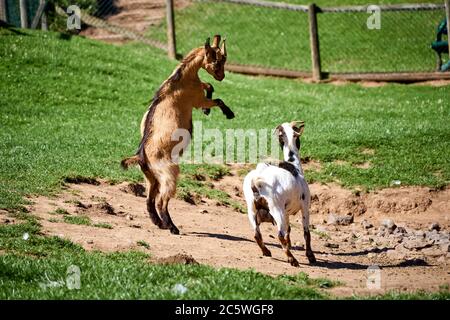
x: 298, y: 124
x: 216, y: 41
x: 207, y: 45
x: 224, y: 48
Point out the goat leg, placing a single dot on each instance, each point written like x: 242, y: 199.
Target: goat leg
x: 209, y: 93
x: 225, y: 110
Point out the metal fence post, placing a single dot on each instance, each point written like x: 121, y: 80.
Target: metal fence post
x: 314, y: 42
x: 23, y: 14
x: 3, y: 10
x: 171, y: 45
x: 447, y: 13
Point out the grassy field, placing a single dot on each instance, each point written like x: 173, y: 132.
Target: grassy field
x: 71, y: 107
x: 280, y: 38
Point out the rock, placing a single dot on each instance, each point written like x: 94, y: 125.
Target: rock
x: 90, y: 241
x: 331, y: 245
x: 129, y: 217
x: 204, y: 211
x: 334, y: 219
x: 371, y: 255
x: 137, y: 226
x: 389, y: 225
x: 432, y: 235
x: 441, y: 259
x: 366, y: 225
x: 420, y: 233
x: 445, y: 247
x: 432, y: 252
x: 435, y: 226
x: 396, y: 254
x: 416, y: 244
x: 400, y: 230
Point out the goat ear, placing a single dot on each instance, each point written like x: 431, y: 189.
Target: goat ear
x: 207, y: 45
x: 298, y: 127
x: 224, y: 48
x: 278, y: 130
x: 216, y: 41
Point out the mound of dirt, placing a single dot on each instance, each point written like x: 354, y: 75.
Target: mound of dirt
x: 81, y: 179
x: 177, y: 259
x: 134, y: 188
x: 95, y: 209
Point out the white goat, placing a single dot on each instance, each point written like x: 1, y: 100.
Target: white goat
x: 275, y: 192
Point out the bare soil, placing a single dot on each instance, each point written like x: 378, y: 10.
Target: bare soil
x: 134, y: 15
x: 221, y: 237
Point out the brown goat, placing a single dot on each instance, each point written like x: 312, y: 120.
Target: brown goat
x: 171, y: 109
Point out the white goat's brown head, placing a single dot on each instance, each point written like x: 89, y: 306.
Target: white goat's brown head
x: 215, y: 58
x: 289, y: 137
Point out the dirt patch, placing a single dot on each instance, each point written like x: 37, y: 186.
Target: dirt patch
x: 219, y: 236
x: 177, y: 259
x: 135, y: 15
x: 364, y: 165
x: 433, y: 83
x: 368, y: 151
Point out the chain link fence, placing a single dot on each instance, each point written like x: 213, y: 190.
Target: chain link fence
x: 401, y: 44
x: 273, y: 34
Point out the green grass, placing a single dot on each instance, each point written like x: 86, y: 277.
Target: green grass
x: 60, y: 211
x: 144, y: 244
x: 80, y: 220
x: 280, y: 38
x: 103, y: 225
x: 73, y: 107
x: 303, y: 279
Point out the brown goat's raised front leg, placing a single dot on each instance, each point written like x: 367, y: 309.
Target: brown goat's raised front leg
x: 209, y: 93
x: 208, y: 104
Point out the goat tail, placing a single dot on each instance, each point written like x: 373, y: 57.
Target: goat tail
x: 256, y: 184
x: 130, y: 161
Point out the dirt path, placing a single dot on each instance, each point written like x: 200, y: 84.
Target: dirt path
x: 221, y: 237
x: 134, y: 15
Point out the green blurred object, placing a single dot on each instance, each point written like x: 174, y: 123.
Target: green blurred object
x: 13, y: 11
x: 441, y: 46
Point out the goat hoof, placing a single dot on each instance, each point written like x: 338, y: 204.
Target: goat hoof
x: 174, y: 230
x: 311, y: 258
x: 230, y: 115
x: 293, y: 262
x: 267, y: 253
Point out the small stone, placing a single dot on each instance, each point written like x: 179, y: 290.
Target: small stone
x: 129, y: 217
x: 389, y: 225
x: 179, y: 289
x: 90, y: 241
x: 417, y: 244
x: 137, y: 226
x: 331, y: 245
x: 400, y: 230
x: 441, y: 259
x: 445, y: 247
x: 334, y: 219
x: 366, y: 225
x: 420, y: 233
x: 435, y: 226
x: 371, y: 255
x: 204, y: 211
x: 395, y: 254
